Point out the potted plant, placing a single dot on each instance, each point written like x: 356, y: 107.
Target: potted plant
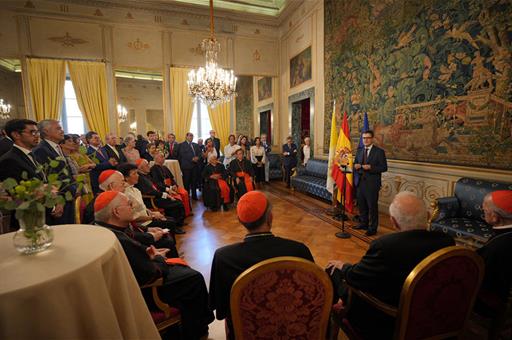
x: 31, y: 198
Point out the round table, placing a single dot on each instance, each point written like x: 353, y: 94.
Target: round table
x: 82, y: 287
x: 174, y: 166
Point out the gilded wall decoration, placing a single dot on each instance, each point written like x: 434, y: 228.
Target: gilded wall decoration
x: 244, y: 106
x: 264, y: 88
x: 256, y: 56
x: 435, y: 80
x: 138, y: 45
x: 198, y: 50
x: 67, y: 40
x: 300, y: 68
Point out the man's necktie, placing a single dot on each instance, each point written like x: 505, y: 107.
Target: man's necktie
x: 365, y: 155
x: 194, y: 151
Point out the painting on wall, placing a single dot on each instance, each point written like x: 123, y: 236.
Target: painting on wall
x: 300, y: 68
x: 434, y: 80
x: 244, y: 106
x: 264, y: 88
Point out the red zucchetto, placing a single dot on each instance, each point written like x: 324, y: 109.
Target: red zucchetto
x: 503, y: 200
x: 104, y: 199
x: 105, y: 174
x: 251, y: 206
x: 139, y: 161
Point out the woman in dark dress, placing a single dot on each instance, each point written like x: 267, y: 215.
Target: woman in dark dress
x: 216, y: 191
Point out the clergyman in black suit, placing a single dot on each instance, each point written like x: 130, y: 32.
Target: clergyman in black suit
x: 370, y: 163
x: 289, y: 159
x: 385, y: 266
x: 112, y: 149
x: 189, y: 156
x: 49, y: 149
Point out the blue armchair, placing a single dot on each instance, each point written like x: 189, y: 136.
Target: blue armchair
x: 461, y: 215
x: 275, y: 166
x: 312, y: 179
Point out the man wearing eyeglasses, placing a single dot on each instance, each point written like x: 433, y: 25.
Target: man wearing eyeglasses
x: 370, y: 163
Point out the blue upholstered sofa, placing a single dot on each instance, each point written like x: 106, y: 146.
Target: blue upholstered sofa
x: 312, y: 179
x: 461, y: 215
x: 275, y: 166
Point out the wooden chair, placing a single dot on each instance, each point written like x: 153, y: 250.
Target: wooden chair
x: 436, y: 299
x: 163, y: 315
x: 283, y: 297
x: 79, y: 210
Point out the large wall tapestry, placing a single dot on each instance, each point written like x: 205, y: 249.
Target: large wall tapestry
x: 244, y: 105
x: 264, y: 88
x: 434, y: 76
x: 300, y: 67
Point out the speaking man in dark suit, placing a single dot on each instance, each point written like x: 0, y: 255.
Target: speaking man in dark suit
x: 370, y: 163
x: 96, y: 152
x: 171, y: 146
x: 497, y: 253
x: 387, y: 263
x: 255, y: 213
x: 289, y: 159
x: 189, y: 156
x: 112, y: 150
x: 49, y: 149
x: 216, y: 141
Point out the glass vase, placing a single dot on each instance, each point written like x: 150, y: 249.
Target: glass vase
x: 34, y: 235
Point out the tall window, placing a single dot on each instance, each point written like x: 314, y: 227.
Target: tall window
x: 72, y: 119
x: 201, y: 124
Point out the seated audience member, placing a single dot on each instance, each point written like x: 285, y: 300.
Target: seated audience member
x: 143, y: 217
x: 258, y: 160
x: 497, y: 253
x: 71, y: 148
x: 255, y: 213
x: 104, y: 162
x: 229, y: 150
x: 171, y: 206
x: 164, y: 180
x: 149, y: 152
x: 387, y: 263
x: 183, y: 288
x: 241, y: 170
x: 216, y: 191
x: 129, y: 151
x: 160, y: 147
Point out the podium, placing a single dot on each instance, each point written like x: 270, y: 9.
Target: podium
x: 343, y: 233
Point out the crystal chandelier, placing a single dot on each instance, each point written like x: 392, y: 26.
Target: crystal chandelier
x: 5, y: 109
x: 211, y: 84
x: 122, y: 113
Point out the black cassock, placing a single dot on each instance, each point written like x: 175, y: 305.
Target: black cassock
x: 237, y: 169
x: 183, y: 287
x: 211, y: 191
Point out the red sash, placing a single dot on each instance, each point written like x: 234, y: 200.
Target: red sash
x: 173, y: 261
x: 247, y: 180
x: 167, y: 182
x: 224, y: 190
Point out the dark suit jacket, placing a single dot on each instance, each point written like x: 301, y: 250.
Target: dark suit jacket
x: 378, y: 162
x: 103, y: 164
x: 174, y: 152
x: 290, y: 161
x: 382, y: 272
x: 497, y: 255
x: 14, y: 162
x: 159, y: 174
x: 111, y: 154
x: 5, y: 145
x: 230, y: 261
x: 44, y: 153
x: 185, y: 155
x: 146, y: 186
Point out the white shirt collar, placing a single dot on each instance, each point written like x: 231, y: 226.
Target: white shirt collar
x: 53, y: 145
x: 25, y: 150
x: 501, y: 227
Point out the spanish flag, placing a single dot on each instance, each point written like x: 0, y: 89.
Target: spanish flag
x: 344, y: 157
x: 332, y: 150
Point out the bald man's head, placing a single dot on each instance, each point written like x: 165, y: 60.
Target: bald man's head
x: 408, y: 212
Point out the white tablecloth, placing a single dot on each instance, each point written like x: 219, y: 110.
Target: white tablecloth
x: 82, y: 287
x: 174, y: 166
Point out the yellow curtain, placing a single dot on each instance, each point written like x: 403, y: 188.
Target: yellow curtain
x: 90, y: 84
x: 219, y: 117
x: 182, y: 104
x: 46, y: 78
